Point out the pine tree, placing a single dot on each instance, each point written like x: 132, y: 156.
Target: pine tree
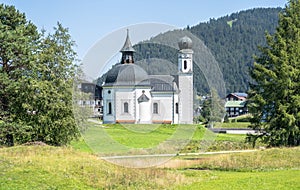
x: 274, y: 100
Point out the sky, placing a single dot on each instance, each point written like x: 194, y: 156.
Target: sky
x: 89, y: 21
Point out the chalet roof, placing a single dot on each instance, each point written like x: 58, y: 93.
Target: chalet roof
x: 241, y: 94
x: 235, y: 104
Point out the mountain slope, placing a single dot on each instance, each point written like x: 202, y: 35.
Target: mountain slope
x: 232, y: 40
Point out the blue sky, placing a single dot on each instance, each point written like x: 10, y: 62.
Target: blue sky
x: 91, y: 20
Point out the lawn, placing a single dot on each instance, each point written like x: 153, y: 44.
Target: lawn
x: 243, y: 125
x: 121, y: 139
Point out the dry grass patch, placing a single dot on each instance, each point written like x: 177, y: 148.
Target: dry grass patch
x: 45, y: 167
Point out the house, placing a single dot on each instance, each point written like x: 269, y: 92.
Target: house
x: 236, y: 104
x: 130, y: 95
x: 91, y: 97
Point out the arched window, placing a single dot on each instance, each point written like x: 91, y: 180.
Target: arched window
x: 126, y: 107
x: 176, y: 108
x: 109, y: 108
x: 184, y: 65
x: 155, y: 108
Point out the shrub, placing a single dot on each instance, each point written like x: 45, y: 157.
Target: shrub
x: 244, y: 119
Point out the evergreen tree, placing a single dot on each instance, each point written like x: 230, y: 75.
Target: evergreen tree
x: 213, y: 108
x: 18, y: 42
x: 36, y: 77
x: 275, y: 97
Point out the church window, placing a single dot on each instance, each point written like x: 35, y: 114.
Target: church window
x: 184, y: 65
x: 126, y: 107
x: 109, y: 108
x: 176, y: 108
x: 155, y: 108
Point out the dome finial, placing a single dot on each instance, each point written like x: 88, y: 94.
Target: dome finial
x: 185, y: 43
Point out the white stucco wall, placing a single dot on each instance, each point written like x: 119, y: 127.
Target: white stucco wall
x: 186, y: 99
x: 122, y: 96
x: 143, y: 110
x: 108, y: 97
x: 165, y: 106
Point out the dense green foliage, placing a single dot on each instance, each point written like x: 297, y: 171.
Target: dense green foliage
x: 232, y: 39
x: 275, y: 97
x: 36, y: 77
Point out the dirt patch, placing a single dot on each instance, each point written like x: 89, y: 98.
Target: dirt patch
x: 35, y: 143
x: 181, y: 163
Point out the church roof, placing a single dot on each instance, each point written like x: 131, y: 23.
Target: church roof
x: 143, y: 98
x: 162, y: 83
x: 127, y: 47
x: 126, y: 75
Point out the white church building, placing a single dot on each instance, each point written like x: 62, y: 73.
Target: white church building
x: 130, y: 95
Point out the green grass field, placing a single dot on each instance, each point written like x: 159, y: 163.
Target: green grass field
x: 120, y: 139
x: 264, y: 169
x: 45, y: 167
x: 220, y: 180
x: 232, y: 125
x: 78, y: 166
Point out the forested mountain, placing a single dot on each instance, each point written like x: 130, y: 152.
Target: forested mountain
x: 232, y: 40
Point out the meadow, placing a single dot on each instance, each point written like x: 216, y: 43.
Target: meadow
x: 46, y: 167
x: 78, y: 166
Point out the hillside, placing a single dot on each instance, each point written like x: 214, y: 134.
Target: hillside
x: 233, y: 40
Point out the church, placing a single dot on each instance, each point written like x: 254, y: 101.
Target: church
x: 130, y: 95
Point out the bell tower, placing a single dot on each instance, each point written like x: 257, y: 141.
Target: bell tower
x: 127, y: 51
x: 185, y: 81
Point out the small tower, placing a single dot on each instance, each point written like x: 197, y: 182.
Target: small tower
x: 185, y: 80
x: 127, y: 51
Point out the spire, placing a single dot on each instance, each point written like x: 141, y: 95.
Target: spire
x: 127, y: 47
x: 127, y: 51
